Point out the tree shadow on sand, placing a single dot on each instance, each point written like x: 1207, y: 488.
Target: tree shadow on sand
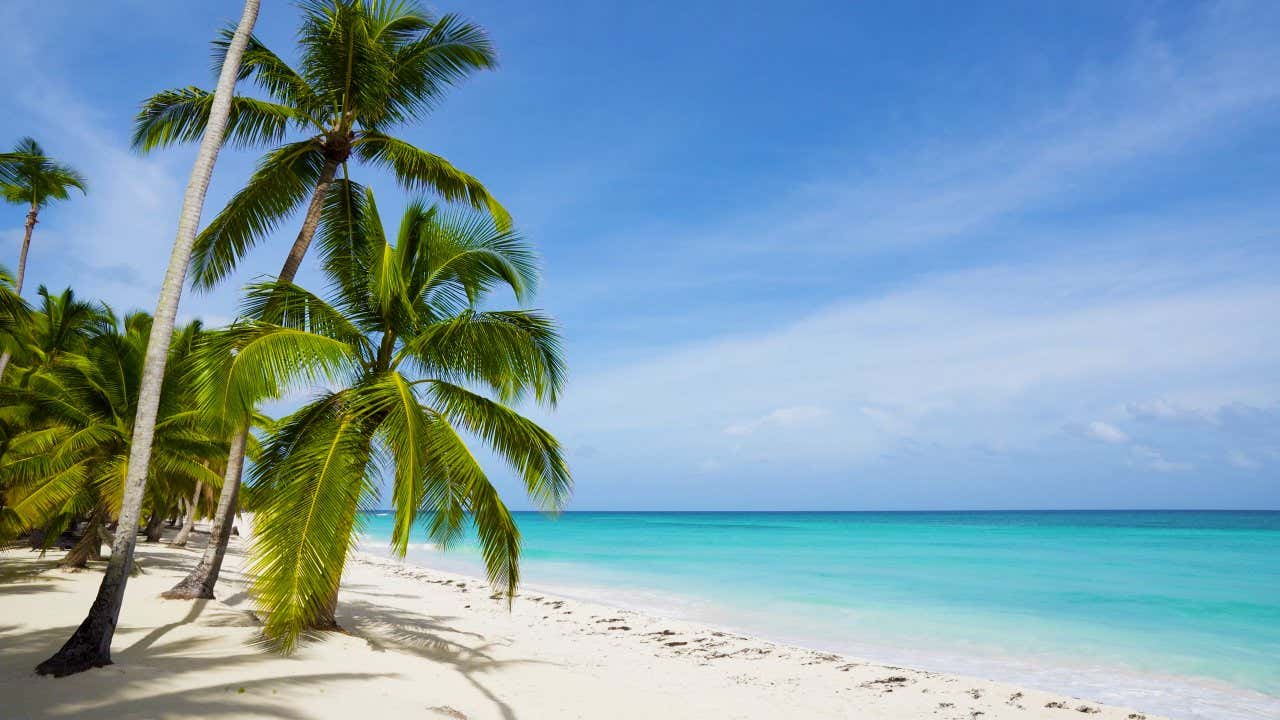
x: 387, y: 628
x: 102, y: 692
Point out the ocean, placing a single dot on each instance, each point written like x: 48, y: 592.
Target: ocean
x: 1176, y: 613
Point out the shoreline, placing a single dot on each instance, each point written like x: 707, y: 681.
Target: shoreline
x: 1213, y: 699
x: 420, y: 639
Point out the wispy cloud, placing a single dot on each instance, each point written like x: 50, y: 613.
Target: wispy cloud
x: 786, y: 417
x: 979, y: 357
x: 1163, y: 410
x: 1106, y: 432
x: 1149, y: 458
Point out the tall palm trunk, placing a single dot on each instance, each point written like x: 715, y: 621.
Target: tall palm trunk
x: 310, y: 222
x: 32, y: 219
x: 90, y: 645
x: 180, y: 540
x: 199, y: 583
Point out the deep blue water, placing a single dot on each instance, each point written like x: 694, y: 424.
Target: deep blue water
x: 1181, y: 608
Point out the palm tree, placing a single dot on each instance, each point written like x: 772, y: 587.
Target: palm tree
x: 33, y: 179
x: 364, y: 67
x: 54, y: 335
x: 414, y: 367
x: 61, y: 325
x: 90, y: 645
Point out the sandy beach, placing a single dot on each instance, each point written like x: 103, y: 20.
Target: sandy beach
x: 433, y: 644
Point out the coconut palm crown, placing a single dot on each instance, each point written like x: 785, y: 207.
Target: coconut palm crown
x: 364, y: 66
x: 413, y: 368
x: 30, y: 178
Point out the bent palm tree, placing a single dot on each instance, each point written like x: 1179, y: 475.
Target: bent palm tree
x: 402, y: 343
x: 31, y: 178
x: 365, y: 66
x: 90, y: 645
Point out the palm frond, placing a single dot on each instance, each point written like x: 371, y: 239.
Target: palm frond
x: 305, y: 526
x: 457, y: 476
x: 180, y: 116
x: 272, y: 74
x: 389, y: 402
x: 511, y: 352
x: 424, y: 66
x: 283, y: 181
x: 530, y: 450
x: 465, y: 256
x: 420, y: 171
x: 252, y: 362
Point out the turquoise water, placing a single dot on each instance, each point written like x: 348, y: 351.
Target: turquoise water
x: 1172, y: 612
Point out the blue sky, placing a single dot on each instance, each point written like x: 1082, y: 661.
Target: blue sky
x: 820, y: 256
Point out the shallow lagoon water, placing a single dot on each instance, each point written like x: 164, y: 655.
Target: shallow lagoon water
x: 1173, y: 612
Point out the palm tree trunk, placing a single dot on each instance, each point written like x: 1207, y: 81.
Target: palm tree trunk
x: 22, y: 269
x: 32, y: 219
x: 90, y: 645
x: 155, y: 526
x: 309, y: 223
x: 189, y: 524
x: 327, y: 618
x: 199, y: 583
x: 89, y: 547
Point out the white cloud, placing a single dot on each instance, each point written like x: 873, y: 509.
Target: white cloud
x: 1106, y: 432
x: 785, y: 417
x: 1150, y: 458
x: 1169, y: 411
x: 959, y: 359
x: 1163, y: 99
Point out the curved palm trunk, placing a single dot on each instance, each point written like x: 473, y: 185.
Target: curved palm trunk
x: 310, y: 222
x: 89, y: 547
x: 189, y: 524
x: 199, y: 583
x: 90, y: 645
x: 32, y: 216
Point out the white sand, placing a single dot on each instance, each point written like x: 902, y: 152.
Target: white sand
x: 427, y: 644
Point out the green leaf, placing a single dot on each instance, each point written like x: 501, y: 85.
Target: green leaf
x: 283, y: 181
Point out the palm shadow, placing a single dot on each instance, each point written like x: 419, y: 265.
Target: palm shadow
x: 388, y: 628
